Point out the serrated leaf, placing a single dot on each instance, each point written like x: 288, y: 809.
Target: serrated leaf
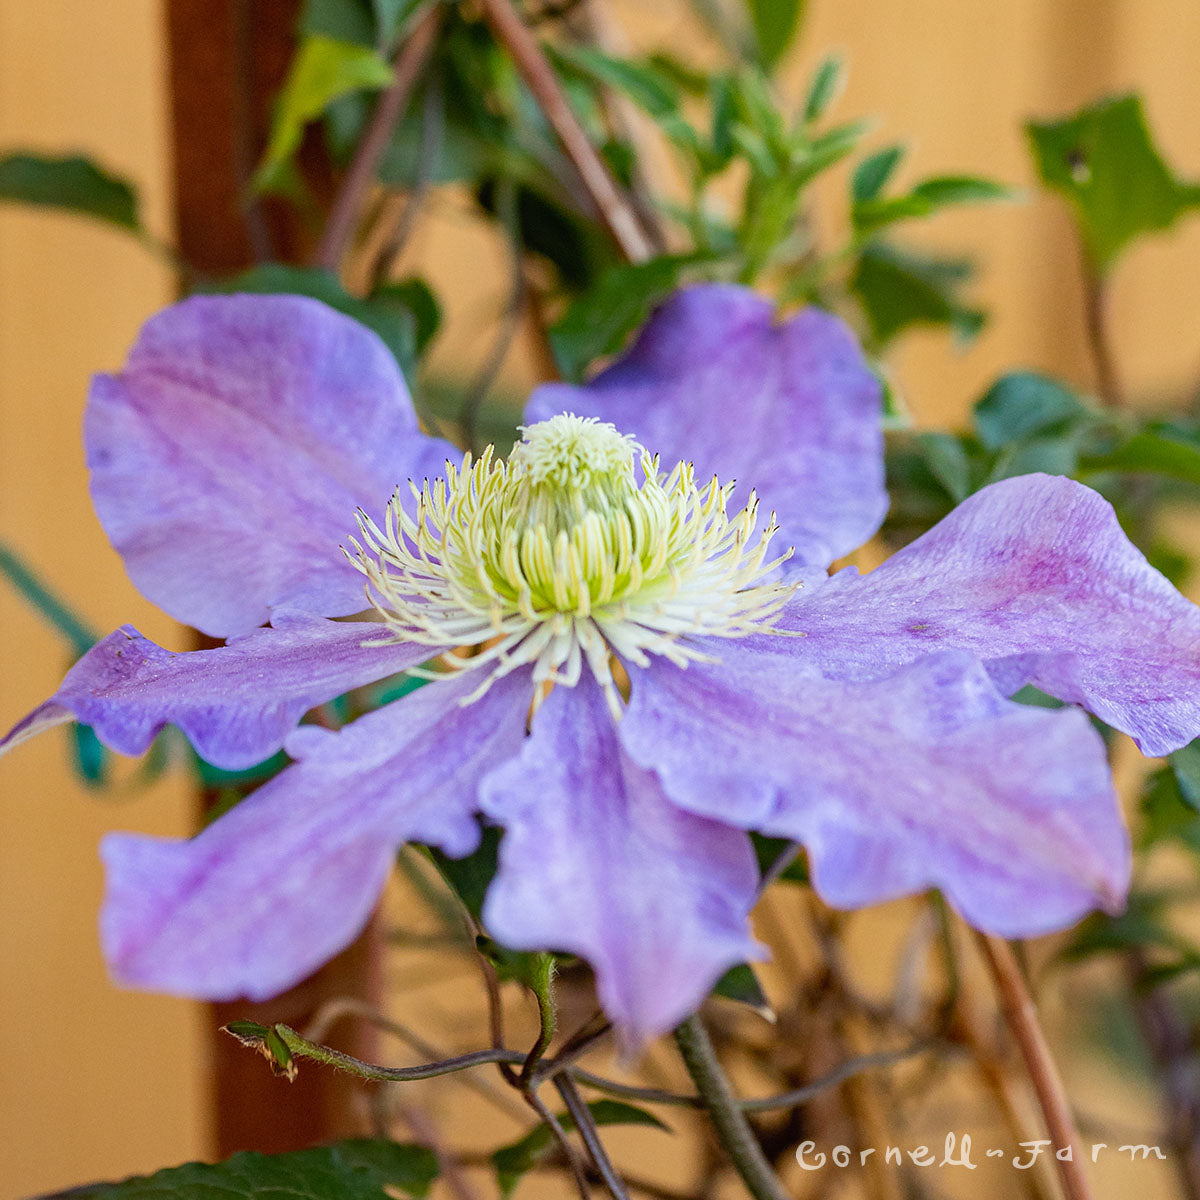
x: 394, y: 324
x: 873, y: 172
x: 1105, y: 163
x: 512, y: 1162
x: 823, y: 91
x: 776, y: 23
x: 1021, y: 404
x: 362, y: 1169
x: 72, y: 184
x: 323, y: 70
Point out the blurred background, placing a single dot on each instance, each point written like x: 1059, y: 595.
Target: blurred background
x: 98, y: 1083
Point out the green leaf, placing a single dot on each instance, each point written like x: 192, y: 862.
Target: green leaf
x: 390, y: 15
x: 360, y: 1169
x: 323, y: 70
x: 394, y: 324
x: 1105, y: 163
x: 925, y: 199
x: 1185, y: 762
x: 646, y: 87
x: 513, y: 1161
x: 1021, y: 404
x: 899, y: 289
x: 941, y: 191
x: 740, y: 984
x: 822, y: 92
x: 1055, y: 455
x: 343, y: 20
x: 470, y: 877
x: 73, y: 184
x: 1152, y: 451
x: 873, y: 172
x: 600, y: 320
x: 948, y: 463
x: 776, y: 23
x: 416, y: 297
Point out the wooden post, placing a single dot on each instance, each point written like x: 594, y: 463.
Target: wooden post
x: 227, y: 60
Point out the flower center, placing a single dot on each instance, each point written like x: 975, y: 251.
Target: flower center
x: 561, y: 557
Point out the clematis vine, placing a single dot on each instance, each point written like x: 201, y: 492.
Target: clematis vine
x: 632, y: 665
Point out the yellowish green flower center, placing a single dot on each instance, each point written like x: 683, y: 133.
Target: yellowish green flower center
x: 562, y: 557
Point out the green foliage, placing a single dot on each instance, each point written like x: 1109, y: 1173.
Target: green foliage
x: 826, y: 83
x: 899, y: 289
x: 740, y: 984
x: 323, y: 70
x: 1022, y: 404
x: 389, y: 312
x: 870, y: 211
x: 776, y: 23
x: 514, y: 1161
x: 1105, y: 163
x: 73, y: 184
x: 599, y: 322
x: 352, y: 1170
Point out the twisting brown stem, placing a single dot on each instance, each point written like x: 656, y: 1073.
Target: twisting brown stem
x: 614, y: 208
x: 343, y: 217
x: 581, y: 1115
x: 1020, y: 1013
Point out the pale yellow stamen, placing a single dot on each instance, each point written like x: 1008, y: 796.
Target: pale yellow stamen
x: 560, y: 558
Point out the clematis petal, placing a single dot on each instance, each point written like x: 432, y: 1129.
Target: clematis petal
x: 236, y: 703
x: 282, y: 882
x: 228, y: 457
x: 595, y: 860
x: 928, y: 778
x: 1035, y: 577
x: 789, y: 409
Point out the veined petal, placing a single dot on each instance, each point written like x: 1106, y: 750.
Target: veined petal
x: 1035, y: 577
x: 597, y: 861
x: 788, y: 408
x: 236, y: 703
x: 282, y: 882
x: 228, y: 457
x: 928, y: 778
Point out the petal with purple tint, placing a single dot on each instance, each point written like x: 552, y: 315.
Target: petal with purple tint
x: 788, y: 408
x: 595, y: 860
x: 1035, y: 577
x: 281, y: 883
x: 236, y: 703
x: 929, y: 778
x: 228, y: 457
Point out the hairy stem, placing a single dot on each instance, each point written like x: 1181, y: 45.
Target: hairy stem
x: 732, y: 1129
x: 614, y: 208
x: 343, y: 217
x: 1020, y: 1013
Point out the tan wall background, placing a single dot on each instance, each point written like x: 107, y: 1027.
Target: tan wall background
x: 98, y: 1083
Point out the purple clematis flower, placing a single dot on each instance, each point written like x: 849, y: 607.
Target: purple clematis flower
x: 865, y: 717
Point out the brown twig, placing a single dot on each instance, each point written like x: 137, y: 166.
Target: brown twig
x: 1095, y: 311
x: 614, y: 208
x: 343, y: 216
x: 1020, y: 1013
x: 582, y: 1116
x: 1173, y: 1048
